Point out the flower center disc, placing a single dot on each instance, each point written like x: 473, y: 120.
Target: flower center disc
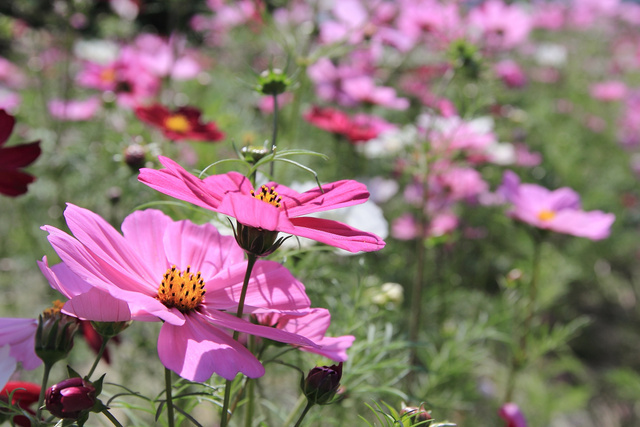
x: 177, y: 123
x: 268, y: 195
x: 181, y: 289
x: 546, y: 215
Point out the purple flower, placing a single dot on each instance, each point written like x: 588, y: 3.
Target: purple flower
x: 558, y: 210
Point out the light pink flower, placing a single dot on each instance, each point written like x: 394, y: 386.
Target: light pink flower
x: 144, y: 268
x: 313, y: 326
x: 510, y: 412
x: 613, y: 90
x: 167, y: 57
x: 19, y: 335
x: 74, y: 110
x: 363, y: 89
x: 511, y: 73
x: 500, y: 26
x: 232, y: 194
x: 558, y: 210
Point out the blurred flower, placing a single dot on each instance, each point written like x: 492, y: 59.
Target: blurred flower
x: 69, y: 398
x: 312, y: 325
x: 416, y: 414
x: 162, y: 269
x: 613, y: 90
x: 511, y: 73
x: 363, y: 89
x: 265, y: 104
x: 510, y: 412
x: 557, y: 210
x: 19, y: 335
x: 74, y: 110
x: 500, y: 25
x: 273, y: 208
x: 23, y: 395
x: 359, y: 128
x: 13, y: 182
x: 389, y: 293
x: 322, y: 383
x: 551, y: 55
x: 167, y: 57
x: 180, y: 124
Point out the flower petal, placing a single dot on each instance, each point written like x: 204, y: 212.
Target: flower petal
x: 335, y: 234
x: 99, y: 306
x: 200, y: 246
x: 335, y: 195
x: 144, y: 232
x: 197, y: 350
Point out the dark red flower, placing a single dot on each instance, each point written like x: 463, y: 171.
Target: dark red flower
x: 13, y: 182
x: 177, y: 125
x: 24, y: 395
x: 359, y: 128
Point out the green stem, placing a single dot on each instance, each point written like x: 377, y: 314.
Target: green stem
x: 251, y: 260
x: 168, y: 384
x: 304, y: 413
x: 43, y: 389
x: 113, y: 419
x: 274, y: 134
x: 519, y: 359
x: 250, y: 387
x: 103, y: 347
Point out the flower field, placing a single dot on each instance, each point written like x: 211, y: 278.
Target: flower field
x: 320, y: 213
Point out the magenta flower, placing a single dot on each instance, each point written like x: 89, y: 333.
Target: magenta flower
x: 187, y: 275
x: 313, y: 326
x: 272, y: 208
x: 74, y: 110
x: 557, y: 210
x: 510, y: 412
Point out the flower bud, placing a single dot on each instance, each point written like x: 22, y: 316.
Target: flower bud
x: 135, y: 156
x: 272, y: 82
x: 54, y: 335
x: 254, y: 154
x: 256, y: 241
x: 322, y: 383
x: 415, y: 414
x: 69, y: 398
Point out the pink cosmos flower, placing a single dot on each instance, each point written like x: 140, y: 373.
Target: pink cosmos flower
x: 613, y: 90
x: 273, y: 208
x: 186, y: 275
x: 500, y: 26
x: 312, y: 325
x: 511, y: 73
x: 510, y: 412
x: 363, y: 89
x: 19, y: 335
x: 74, y: 110
x: 557, y: 210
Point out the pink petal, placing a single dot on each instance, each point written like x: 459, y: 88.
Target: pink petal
x: 335, y: 195
x: 20, y: 334
x: 334, y: 348
x: 271, y: 287
x: 335, y: 234
x: 106, y: 243
x: 250, y: 211
x: 98, y: 305
x: 62, y: 279
x: 200, y: 246
x: 594, y: 225
x: 144, y: 232
x: 197, y: 350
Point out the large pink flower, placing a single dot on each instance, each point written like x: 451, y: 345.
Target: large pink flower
x: 557, y: 210
x: 162, y: 269
x: 273, y: 208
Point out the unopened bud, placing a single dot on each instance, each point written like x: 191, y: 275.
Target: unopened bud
x: 272, y: 82
x: 322, y: 383
x: 69, y: 398
x: 54, y: 335
x: 256, y: 241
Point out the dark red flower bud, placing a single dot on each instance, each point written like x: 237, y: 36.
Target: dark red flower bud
x: 69, y: 398
x: 322, y: 383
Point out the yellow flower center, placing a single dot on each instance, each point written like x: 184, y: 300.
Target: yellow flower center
x: 53, y: 311
x: 181, y: 289
x: 546, y: 215
x: 108, y: 75
x: 177, y: 123
x: 268, y: 195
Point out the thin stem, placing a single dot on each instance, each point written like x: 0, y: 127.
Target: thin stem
x: 43, y: 389
x: 113, y: 419
x: 103, y: 347
x: 250, y: 388
x: 519, y: 359
x: 168, y: 384
x: 274, y: 134
x: 251, y: 260
x: 304, y: 413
